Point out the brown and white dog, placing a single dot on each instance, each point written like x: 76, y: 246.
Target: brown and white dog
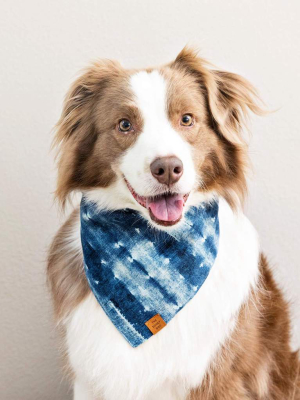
x: 231, y: 341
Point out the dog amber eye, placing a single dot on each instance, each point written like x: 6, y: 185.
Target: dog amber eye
x: 187, y: 120
x: 124, y: 125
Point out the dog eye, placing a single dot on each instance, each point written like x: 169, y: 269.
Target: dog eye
x: 125, y: 125
x: 187, y: 120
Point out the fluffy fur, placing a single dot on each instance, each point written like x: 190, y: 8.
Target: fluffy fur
x: 231, y: 341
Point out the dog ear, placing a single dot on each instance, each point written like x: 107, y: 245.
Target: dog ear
x: 75, y: 130
x: 229, y: 96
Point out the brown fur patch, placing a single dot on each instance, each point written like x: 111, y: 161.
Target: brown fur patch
x: 256, y: 363
x: 86, y: 135
x: 65, y: 272
x: 220, y: 163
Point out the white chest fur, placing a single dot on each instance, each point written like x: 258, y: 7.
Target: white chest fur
x: 170, y: 363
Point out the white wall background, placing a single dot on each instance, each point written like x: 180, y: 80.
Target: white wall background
x: 42, y: 46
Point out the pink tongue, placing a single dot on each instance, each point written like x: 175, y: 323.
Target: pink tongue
x: 167, y: 208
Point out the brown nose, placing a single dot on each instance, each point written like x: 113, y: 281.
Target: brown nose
x: 167, y: 170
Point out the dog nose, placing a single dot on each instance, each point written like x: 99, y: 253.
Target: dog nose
x: 167, y: 170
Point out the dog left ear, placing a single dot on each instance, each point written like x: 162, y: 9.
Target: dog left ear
x: 230, y: 97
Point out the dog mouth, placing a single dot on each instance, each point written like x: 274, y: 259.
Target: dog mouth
x: 165, y: 209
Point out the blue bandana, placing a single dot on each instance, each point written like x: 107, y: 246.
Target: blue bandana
x: 141, y: 276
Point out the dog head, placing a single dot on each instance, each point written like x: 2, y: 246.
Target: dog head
x: 155, y: 140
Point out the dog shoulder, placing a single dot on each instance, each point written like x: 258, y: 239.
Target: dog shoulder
x: 65, y: 271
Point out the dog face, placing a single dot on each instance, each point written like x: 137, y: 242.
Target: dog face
x: 156, y: 140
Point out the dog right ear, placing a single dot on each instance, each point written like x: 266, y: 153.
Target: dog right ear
x: 76, y: 125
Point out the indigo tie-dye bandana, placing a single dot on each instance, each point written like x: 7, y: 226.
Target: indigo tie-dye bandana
x: 141, y: 276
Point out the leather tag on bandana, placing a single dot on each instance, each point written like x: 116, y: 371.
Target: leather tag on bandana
x: 155, y: 324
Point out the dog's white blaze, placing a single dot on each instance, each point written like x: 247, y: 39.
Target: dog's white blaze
x: 170, y: 363
x: 158, y: 138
